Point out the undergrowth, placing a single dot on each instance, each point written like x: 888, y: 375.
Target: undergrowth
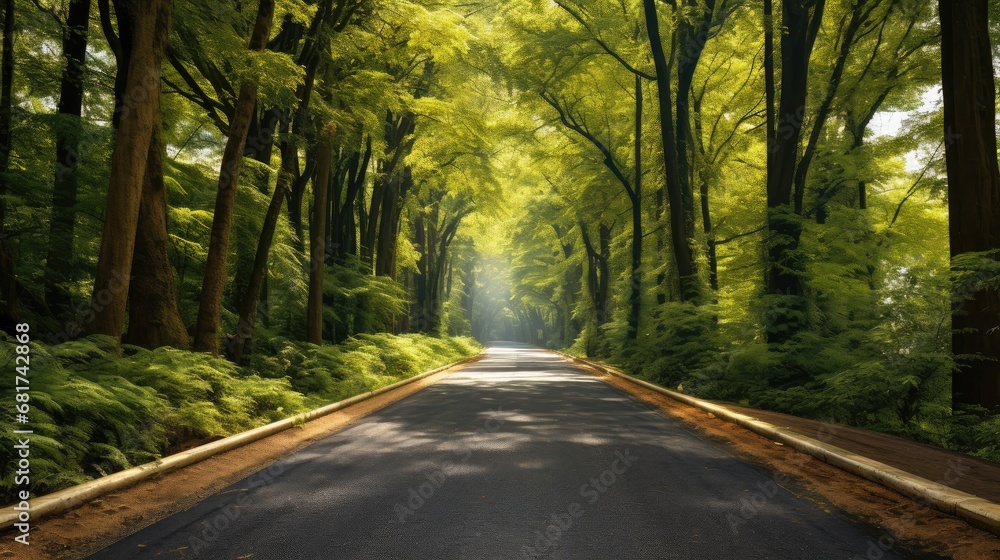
x: 97, y: 408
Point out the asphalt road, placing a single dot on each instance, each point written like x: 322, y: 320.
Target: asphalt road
x: 520, y: 455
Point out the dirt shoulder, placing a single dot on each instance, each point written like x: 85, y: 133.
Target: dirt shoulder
x: 907, y: 525
x: 93, y: 526
x: 957, y: 470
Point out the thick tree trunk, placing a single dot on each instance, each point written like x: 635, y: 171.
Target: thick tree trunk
x: 683, y: 254
x: 206, y: 337
x: 154, y: 320
x: 973, y: 191
x: 785, y: 263
x: 8, y: 279
x: 388, y: 233
x: 693, y: 38
x: 58, y: 262
x: 317, y: 238
x: 128, y: 166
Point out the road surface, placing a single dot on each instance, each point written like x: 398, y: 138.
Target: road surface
x: 520, y: 455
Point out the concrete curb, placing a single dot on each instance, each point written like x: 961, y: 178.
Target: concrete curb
x: 973, y: 509
x: 69, y: 498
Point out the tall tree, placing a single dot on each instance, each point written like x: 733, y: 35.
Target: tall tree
x: 8, y: 279
x: 973, y: 191
x: 632, y: 190
x: 785, y: 268
x: 68, y: 131
x: 151, y: 22
x: 684, y: 256
x: 154, y: 319
x: 317, y: 237
x: 206, y: 336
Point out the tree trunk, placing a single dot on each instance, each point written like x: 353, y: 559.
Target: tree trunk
x: 121, y: 46
x: 8, y: 279
x: 317, y: 237
x: 683, y: 254
x: 785, y: 263
x: 369, y: 221
x: 154, y: 320
x: 128, y: 166
x: 388, y: 234
x: 252, y: 304
x: 859, y: 16
x: 706, y: 209
x: 206, y: 337
x: 345, y: 236
x: 423, y: 271
x: 598, y: 270
x: 973, y: 191
x: 386, y: 227
x: 58, y: 262
x: 295, y: 196
x: 692, y: 43
x: 635, y: 283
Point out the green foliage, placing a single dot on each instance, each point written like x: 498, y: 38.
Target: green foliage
x: 680, y: 339
x: 82, y: 427
x: 976, y: 431
x: 358, y: 302
x: 98, y: 409
x: 362, y: 363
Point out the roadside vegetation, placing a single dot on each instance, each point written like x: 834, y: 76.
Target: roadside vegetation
x: 100, y: 408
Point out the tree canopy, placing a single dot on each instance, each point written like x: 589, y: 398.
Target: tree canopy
x: 791, y: 204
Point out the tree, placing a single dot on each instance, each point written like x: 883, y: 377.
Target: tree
x: 785, y: 269
x: 206, y: 336
x: 68, y: 131
x: 8, y: 279
x: 140, y: 111
x: 317, y: 237
x: 684, y: 256
x: 973, y: 192
x: 154, y: 319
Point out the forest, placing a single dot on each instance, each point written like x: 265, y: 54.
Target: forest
x: 218, y: 213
